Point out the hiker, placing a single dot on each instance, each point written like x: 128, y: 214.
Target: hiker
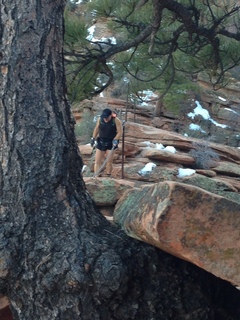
x: 107, y: 132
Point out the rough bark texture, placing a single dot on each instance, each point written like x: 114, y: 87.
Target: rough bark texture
x: 60, y: 259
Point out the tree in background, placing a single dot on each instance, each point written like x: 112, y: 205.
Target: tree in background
x: 158, y: 43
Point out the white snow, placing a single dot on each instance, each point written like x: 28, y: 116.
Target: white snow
x: 170, y: 149
x: 221, y: 98
x: 91, y: 37
x: 158, y: 146
x: 228, y: 109
x: 83, y: 168
x: 196, y: 127
x: 185, y: 172
x: 199, y: 110
x: 147, y: 168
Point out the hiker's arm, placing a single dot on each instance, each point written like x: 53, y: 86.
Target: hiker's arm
x: 119, y: 129
x: 96, y: 129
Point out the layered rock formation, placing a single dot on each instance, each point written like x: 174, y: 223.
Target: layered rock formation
x: 187, y: 222
x: 194, y: 216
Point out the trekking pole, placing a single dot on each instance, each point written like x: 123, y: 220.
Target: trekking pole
x: 103, y: 165
x: 123, y: 135
x: 123, y: 141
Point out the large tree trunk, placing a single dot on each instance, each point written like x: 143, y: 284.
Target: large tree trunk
x: 45, y: 211
x: 60, y: 259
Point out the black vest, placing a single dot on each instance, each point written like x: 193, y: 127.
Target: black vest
x: 107, y: 130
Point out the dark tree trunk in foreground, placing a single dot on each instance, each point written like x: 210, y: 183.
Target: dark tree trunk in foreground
x: 59, y: 258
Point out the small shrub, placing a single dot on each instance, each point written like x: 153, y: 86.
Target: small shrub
x: 84, y: 129
x: 204, y: 156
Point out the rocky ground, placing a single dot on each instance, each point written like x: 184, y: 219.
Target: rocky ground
x: 174, y: 160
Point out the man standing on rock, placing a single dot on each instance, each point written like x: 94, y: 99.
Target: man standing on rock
x: 107, y: 132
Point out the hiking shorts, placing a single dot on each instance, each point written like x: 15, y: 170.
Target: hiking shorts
x: 104, y: 145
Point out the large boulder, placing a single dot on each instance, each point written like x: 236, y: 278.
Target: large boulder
x: 218, y: 186
x: 106, y: 192
x: 187, y: 222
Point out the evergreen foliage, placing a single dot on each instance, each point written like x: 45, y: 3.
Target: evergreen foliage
x: 157, y: 45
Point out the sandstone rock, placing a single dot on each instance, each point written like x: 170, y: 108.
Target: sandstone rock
x: 105, y: 191
x: 208, y: 173
x: 130, y: 149
x: 187, y: 222
x: 230, y: 169
x: 139, y: 133
x: 159, y: 173
x: 230, y: 92
x: 86, y: 149
x: 217, y: 186
x: 235, y: 182
x: 164, y: 123
x: 166, y: 156
x: 211, y: 185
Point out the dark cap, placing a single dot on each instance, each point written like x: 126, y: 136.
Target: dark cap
x: 106, y: 113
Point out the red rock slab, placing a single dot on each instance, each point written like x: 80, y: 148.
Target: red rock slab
x: 187, y: 222
x: 166, y: 156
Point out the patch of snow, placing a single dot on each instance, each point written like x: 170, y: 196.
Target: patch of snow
x: 148, y: 144
x: 170, y: 149
x: 147, y: 168
x: 228, y: 109
x: 185, y: 172
x: 199, y: 110
x: 90, y: 37
x: 219, y: 124
x: 223, y: 99
x: 159, y: 146
x: 83, y: 168
x: 196, y: 127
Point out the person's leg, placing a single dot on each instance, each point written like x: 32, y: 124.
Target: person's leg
x: 98, y: 160
x: 109, y: 165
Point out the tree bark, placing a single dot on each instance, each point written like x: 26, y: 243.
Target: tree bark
x: 158, y: 108
x: 60, y: 258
